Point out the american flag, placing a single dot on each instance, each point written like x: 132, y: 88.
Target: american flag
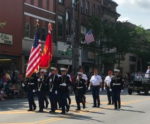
x: 89, y: 38
x: 34, y: 58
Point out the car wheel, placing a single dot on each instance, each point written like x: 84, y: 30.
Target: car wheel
x: 146, y: 92
x: 129, y: 91
x: 138, y: 92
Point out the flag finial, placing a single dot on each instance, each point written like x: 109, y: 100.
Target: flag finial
x: 37, y: 22
x: 49, y: 27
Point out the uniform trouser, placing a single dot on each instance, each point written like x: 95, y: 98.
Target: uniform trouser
x: 80, y: 99
x: 95, y: 93
x: 41, y: 100
x: 53, y: 101
x: 31, y: 100
x: 46, y: 100
x: 116, y: 98
x: 109, y: 96
x: 63, y: 102
x: 68, y: 97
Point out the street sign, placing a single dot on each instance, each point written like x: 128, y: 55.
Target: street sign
x: 6, y: 39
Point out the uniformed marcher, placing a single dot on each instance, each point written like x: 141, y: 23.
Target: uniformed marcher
x: 69, y: 88
x: 41, y: 87
x: 64, y: 82
x: 53, y: 85
x: 84, y: 77
x: 117, y: 86
x: 107, y: 83
x: 95, y: 83
x: 30, y: 87
x: 79, y: 88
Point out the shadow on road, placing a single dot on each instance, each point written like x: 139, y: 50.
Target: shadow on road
x: 77, y: 117
x: 13, y: 104
x: 128, y: 110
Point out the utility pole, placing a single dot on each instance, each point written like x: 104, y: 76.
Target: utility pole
x: 75, y: 36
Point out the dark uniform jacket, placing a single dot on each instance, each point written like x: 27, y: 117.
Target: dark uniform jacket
x: 80, y: 86
x: 64, y: 82
x: 117, y: 83
x: 30, y: 84
x: 53, y: 83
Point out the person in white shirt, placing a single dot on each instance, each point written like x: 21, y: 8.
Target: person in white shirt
x: 95, y: 83
x: 107, y: 83
x: 147, y: 74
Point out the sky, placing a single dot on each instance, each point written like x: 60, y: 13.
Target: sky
x: 134, y: 11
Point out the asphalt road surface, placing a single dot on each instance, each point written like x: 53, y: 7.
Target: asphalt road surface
x: 135, y: 110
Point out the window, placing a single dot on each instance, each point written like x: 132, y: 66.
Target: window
x: 60, y: 26
x: 61, y: 1
x: 27, y: 30
x: 132, y: 58
x: 28, y: 1
x: 35, y: 2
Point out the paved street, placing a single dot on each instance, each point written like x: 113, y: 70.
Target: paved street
x: 135, y: 109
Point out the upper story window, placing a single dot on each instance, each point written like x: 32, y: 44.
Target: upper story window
x: 61, y: 1
x: 28, y: 1
x: 132, y: 58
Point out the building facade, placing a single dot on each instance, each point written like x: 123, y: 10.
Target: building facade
x: 68, y: 21
x: 18, y: 25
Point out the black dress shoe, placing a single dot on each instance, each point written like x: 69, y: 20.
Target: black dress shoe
x: 67, y: 108
x: 63, y: 113
x: 40, y: 110
x: 34, y: 108
x: 51, y: 111
x: 94, y: 106
x: 47, y: 105
x: 30, y: 110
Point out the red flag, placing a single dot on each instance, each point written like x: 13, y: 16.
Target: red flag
x: 46, y: 56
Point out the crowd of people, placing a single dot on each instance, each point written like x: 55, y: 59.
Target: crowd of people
x: 10, y: 85
x: 56, y: 86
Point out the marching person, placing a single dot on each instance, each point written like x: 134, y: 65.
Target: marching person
x: 117, y: 86
x: 69, y: 89
x: 107, y: 83
x: 147, y: 74
x: 95, y: 83
x: 30, y: 87
x: 53, y: 85
x: 41, y: 87
x: 84, y: 77
x: 80, y: 87
x: 64, y: 82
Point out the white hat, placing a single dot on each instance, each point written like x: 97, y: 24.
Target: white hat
x: 80, y: 73
x: 53, y: 68
x: 43, y: 70
x: 63, y: 69
x: 116, y: 70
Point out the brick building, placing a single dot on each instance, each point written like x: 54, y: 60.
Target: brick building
x: 18, y: 24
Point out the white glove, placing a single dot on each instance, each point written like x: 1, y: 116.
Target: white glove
x: 100, y: 89
x: 33, y: 91
x: 110, y: 89
x: 89, y: 88
x: 56, y: 92
x: 122, y: 91
x: 23, y: 85
x: 104, y: 88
